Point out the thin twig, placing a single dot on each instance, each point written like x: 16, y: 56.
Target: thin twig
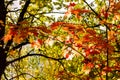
x: 96, y: 14
x: 9, y: 3
x: 22, y: 74
x: 5, y: 76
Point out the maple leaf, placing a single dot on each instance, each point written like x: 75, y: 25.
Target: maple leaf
x: 72, y: 4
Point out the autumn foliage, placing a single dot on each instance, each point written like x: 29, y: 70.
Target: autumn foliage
x: 83, y: 45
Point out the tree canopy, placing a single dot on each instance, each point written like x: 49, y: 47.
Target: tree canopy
x: 60, y: 40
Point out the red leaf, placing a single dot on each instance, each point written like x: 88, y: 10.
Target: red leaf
x: 35, y: 33
x: 90, y: 65
x: 72, y: 4
x: 40, y: 41
x: 91, y: 52
x: 118, y: 26
x: 13, y: 31
x: 78, y: 45
x: 107, y: 69
x: 69, y: 41
x: 86, y: 38
x: 66, y: 55
x: 105, y: 14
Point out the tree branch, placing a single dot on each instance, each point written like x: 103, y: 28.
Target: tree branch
x: 96, y: 14
x: 5, y: 76
x: 92, y: 9
x: 9, y: 3
x: 14, y: 10
x: 21, y: 17
x: 33, y: 54
x: 22, y: 74
x: 19, y: 20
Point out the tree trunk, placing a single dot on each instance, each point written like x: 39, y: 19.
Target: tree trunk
x: 3, y: 55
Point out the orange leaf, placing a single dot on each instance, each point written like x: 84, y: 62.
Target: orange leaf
x: 77, y: 11
x: 18, y: 39
x: 7, y: 38
x: 56, y: 24
x: 78, y: 45
x: 111, y: 35
x: 69, y: 27
x: 12, y: 52
x: 118, y: 26
x: 67, y: 55
x: 86, y: 38
x: 91, y: 31
x: 44, y: 29
x: 116, y: 7
x: 90, y: 51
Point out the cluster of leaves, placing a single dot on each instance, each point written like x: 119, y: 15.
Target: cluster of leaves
x: 76, y: 47
x: 96, y: 47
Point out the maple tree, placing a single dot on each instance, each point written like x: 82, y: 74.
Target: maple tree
x: 82, y: 45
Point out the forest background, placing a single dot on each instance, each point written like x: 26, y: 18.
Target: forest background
x: 82, y: 43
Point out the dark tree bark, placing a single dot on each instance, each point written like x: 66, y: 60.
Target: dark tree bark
x: 3, y: 55
x: 4, y: 49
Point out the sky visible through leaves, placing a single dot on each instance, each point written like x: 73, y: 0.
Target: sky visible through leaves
x: 70, y: 41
